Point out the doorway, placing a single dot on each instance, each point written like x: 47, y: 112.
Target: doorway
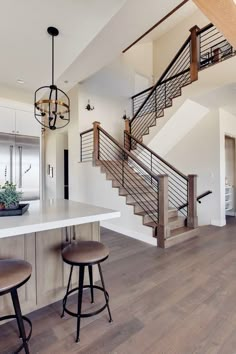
x: 66, y: 174
x: 230, y: 177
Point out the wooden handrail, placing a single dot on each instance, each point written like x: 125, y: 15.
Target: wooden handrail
x: 157, y: 156
x: 162, y: 76
x: 133, y: 157
x: 205, y: 28
x: 86, y: 131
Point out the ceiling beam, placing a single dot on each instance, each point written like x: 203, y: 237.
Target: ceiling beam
x: 156, y: 25
x: 223, y: 14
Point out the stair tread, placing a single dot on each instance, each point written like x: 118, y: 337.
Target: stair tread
x: 150, y: 224
x: 176, y: 218
x: 180, y: 230
x: 143, y: 213
x: 143, y: 201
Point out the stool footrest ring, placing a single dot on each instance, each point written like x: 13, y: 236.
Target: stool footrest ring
x: 24, y: 318
x: 88, y: 314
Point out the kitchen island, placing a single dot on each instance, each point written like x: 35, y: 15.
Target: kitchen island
x: 38, y: 237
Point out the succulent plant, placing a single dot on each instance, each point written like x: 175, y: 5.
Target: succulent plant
x: 9, y: 197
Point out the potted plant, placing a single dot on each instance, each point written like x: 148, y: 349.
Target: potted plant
x: 9, y: 197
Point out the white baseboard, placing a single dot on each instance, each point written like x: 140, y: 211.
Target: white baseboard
x: 130, y: 233
x: 218, y: 222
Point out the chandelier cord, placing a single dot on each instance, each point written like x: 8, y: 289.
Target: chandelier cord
x: 52, y: 60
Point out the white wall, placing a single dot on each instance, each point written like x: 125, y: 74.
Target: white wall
x: 108, y: 91
x: 105, y: 95
x: 95, y: 189
x: 179, y: 124
x: 140, y: 59
x: 199, y: 153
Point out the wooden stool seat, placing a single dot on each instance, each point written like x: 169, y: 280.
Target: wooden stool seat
x: 85, y: 252
x: 13, y: 273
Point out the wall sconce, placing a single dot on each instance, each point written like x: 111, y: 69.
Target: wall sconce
x: 89, y: 107
x: 125, y: 116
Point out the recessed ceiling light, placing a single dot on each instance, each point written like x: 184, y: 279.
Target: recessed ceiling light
x: 66, y: 81
x: 19, y: 81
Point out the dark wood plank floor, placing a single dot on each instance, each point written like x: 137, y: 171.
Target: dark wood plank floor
x: 176, y: 301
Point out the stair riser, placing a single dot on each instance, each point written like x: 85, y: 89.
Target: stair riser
x: 149, y: 218
x: 142, y: 197
x: 180, y: 222
x: 133, y: 187
x: 171, y: 226
x: 172, y: 213
x: 123, y: 191
x: 172, y: 241
x: 118, y: 174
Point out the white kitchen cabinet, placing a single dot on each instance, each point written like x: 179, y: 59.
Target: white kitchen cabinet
x: 20, y: 122
x: 26, y: 124
x: 7, y: 120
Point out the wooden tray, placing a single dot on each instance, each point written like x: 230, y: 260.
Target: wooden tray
x: 14, y: 212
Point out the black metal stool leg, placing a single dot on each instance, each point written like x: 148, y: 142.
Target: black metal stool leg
x: 16, y: 304
x: 80, y: 295
x: 104, y: 290
x: 90, y: 268
x: 67, y: 290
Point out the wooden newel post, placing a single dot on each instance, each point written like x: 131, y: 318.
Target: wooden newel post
x: 127, y: 138
x: 127, y: 126
x: 192, y: 220
x: 163, y: 210
x: 194, y: 53
x: 96, y: 125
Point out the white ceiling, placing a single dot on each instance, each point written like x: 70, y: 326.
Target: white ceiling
x: 92, y: 34
x: 26, y: 46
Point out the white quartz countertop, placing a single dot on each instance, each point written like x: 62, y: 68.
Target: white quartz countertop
x: 53, y: 214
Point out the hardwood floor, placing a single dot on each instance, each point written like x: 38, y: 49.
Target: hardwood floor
x: 176, y: 301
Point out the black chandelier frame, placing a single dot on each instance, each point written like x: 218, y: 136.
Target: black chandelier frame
x: 48, y: 111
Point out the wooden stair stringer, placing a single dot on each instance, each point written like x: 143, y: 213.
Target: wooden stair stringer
x: 176, y: 231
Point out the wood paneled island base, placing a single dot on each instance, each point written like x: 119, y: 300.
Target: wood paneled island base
x: 42, y: 249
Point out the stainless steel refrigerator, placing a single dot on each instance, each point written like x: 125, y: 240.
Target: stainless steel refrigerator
x: 19, y: 163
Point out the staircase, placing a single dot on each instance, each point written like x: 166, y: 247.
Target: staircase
x: 203, y: 48
x: 164, y: 197
x: 167, y: 204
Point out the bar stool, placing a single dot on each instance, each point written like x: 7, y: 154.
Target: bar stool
x: 85, y: 254
x: 13, y: 274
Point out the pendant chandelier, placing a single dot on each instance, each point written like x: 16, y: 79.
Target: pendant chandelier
x: 51, y: 104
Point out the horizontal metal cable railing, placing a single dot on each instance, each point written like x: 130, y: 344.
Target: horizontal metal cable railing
x: 177, y: 181
x: 139, y: 98
x: 86, y: 145
x: 160, y: 95
x: 128, y: 172
x: 149, y: 105
x: 213, y: 46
